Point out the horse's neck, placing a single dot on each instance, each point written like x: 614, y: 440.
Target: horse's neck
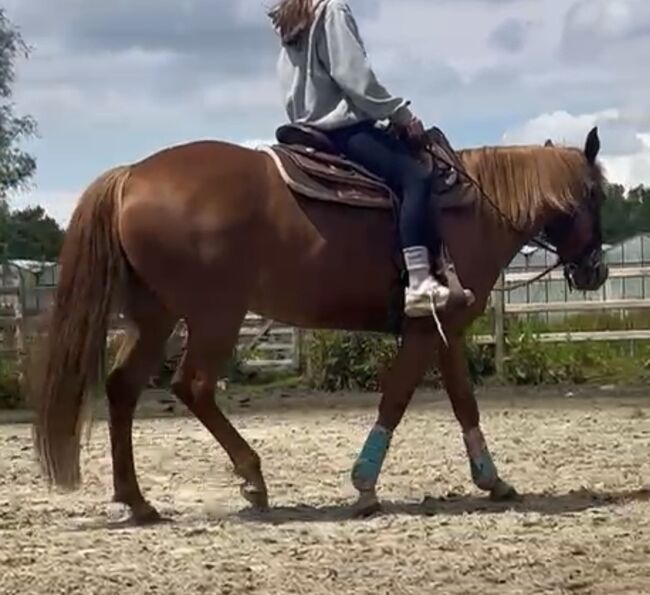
x: 492, y: 240
x: 482, y: 247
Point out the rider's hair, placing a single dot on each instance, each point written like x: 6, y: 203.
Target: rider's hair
x: 291, y: 18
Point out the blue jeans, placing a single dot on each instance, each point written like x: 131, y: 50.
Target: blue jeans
x: 387, y: 157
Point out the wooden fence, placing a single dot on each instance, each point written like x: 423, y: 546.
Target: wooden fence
x: 592, y: 302
x: 11, y: 321
x: 280, y: 348
x: 266, y: 345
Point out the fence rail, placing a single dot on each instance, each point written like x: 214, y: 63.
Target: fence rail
x: 267, y: 345
x: 501, y: 309
x: 578, y: 337
x: 557, y: 274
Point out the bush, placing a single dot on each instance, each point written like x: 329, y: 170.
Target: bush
x: 337, y: 360
x: 340, y: 360
x: 11, y: 394
x: 356, y: 361
x: 480, y: 361
x: 529, y: 361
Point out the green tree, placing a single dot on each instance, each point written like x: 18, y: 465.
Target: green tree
x: 625, y: 214
x: 33, y: 235
x: 16, y: 166
x: 616, y: 215
x: 4, y: 230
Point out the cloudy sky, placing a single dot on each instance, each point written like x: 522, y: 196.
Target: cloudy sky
x: 110, y: 81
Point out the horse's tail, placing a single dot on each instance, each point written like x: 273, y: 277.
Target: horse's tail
x: 70, y: 364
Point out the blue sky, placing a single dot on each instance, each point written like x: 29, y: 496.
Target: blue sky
x: 111, y: 81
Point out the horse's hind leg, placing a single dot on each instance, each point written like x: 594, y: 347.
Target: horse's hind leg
x: 210, y: 344
x: 137, y: 359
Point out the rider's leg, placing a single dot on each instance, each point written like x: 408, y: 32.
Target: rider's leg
x: 420, y: 239
x: 387, y: 157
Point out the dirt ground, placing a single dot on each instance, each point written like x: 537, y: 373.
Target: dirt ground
x: 581, y: 462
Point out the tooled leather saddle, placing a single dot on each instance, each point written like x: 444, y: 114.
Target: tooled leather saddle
x: 312, y: 167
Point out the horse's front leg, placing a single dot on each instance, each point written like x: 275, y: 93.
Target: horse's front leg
x: 413, y: 358
x: 455, y: 376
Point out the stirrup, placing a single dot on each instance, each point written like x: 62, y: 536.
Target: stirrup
x: 453, y: 301
x: 459, y: 297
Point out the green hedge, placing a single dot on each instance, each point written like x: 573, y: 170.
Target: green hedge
x: 356, y: 361
x: 347, y: 361
x: 11, y: 394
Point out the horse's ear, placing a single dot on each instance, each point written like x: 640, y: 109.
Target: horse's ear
x: 549, y: 143
x: 592, y: 146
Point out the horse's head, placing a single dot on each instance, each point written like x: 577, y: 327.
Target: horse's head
x: 577, y: 233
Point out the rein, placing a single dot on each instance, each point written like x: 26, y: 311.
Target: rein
x: 537, y: 277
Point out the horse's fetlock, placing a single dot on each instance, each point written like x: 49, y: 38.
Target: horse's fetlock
x: 249, y: 467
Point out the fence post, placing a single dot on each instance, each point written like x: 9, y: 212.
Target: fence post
x: 298, y: 337
x: 499, y: 327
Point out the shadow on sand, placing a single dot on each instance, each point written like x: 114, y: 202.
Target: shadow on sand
x: 545, y: 504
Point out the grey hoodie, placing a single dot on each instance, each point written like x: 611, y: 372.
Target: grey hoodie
x: 326, y: 78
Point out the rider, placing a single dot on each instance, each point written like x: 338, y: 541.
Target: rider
x: 329, y: 84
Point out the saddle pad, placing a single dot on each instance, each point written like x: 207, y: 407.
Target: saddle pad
x: 326, y: 177
x: 323, y: 176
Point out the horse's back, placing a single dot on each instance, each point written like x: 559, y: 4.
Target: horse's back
x: 200, y: 160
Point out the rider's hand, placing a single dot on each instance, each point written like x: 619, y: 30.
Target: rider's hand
x: 414, y: 133
x: 415, y: 129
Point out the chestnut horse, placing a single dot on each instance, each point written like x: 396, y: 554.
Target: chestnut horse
x: 208, y: 231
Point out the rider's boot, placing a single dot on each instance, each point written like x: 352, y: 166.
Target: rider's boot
x: 425, y: 295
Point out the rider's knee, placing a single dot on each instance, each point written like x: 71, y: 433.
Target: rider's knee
x: 418, y: 181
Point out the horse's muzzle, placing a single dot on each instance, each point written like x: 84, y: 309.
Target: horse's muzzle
x: 589, y: 274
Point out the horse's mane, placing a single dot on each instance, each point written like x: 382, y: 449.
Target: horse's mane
x: 525, y: 181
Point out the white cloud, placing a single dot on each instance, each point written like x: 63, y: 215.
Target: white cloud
x: 241, y: 95
x: 624, y: 135
x: 631, y: 170
x: 254, y: 143
x: 560, y: 126
x: 58, y: 204
x: 592, y: 24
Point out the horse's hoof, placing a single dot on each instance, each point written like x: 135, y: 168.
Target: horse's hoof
x: 146, y: 517
x: 504, y: 492
x: 367, y: 505
x: 256, y: 497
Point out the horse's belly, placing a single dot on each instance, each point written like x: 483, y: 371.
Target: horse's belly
x: 341, y: 275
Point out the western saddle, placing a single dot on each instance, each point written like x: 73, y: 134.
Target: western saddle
x: 312, y: 167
